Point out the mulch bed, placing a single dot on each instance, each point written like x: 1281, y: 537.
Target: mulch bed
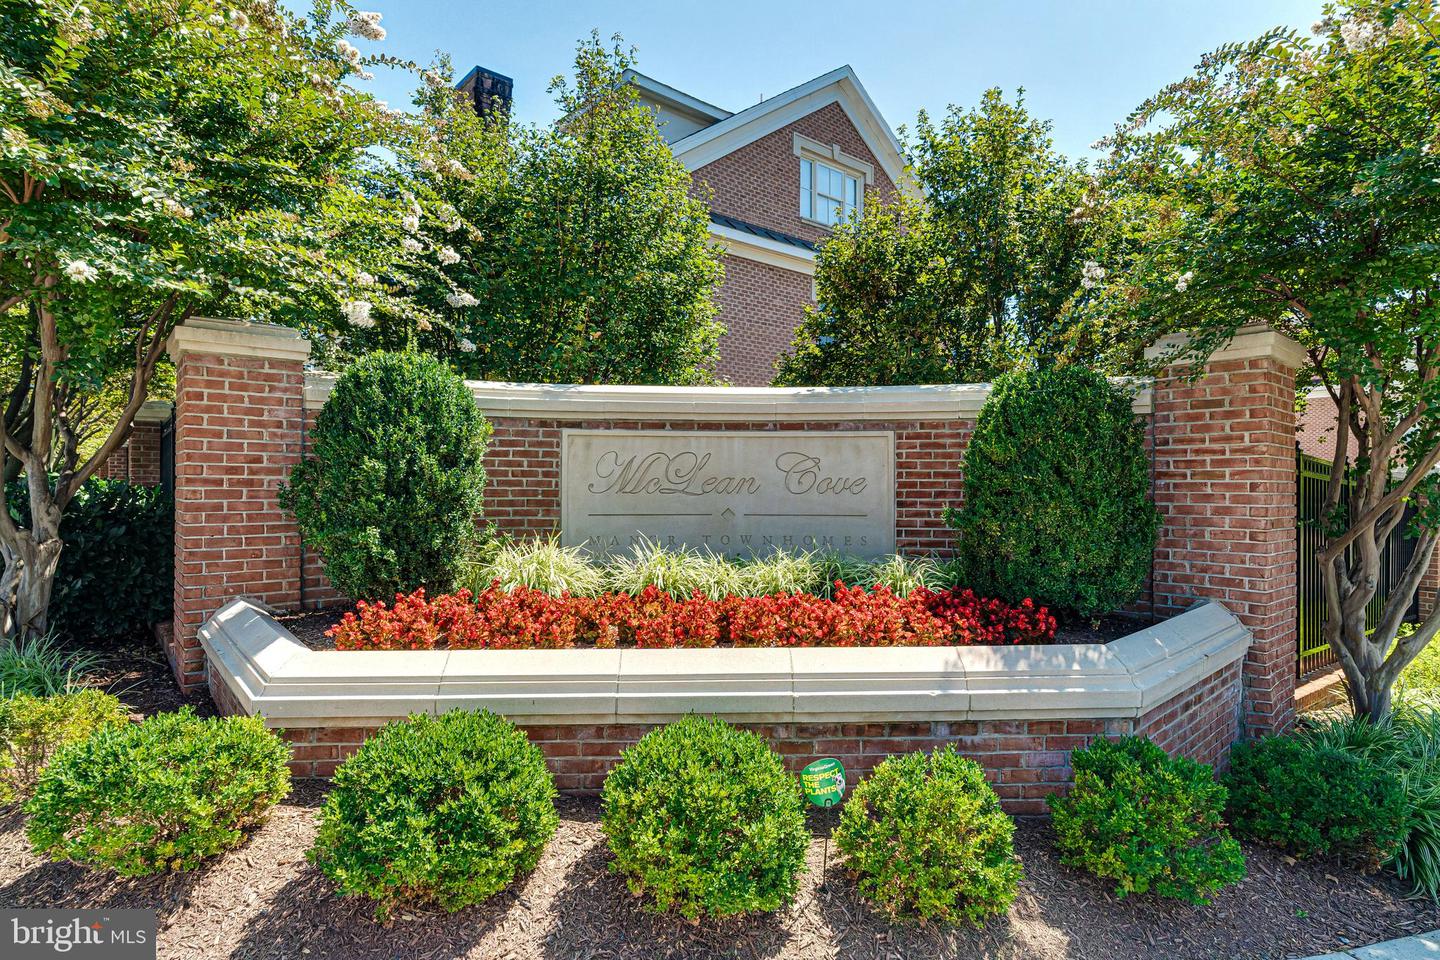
x: 140, y: 676
x: 265, y: 901
x: 309, y: 628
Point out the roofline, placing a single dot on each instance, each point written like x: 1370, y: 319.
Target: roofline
x: 701, y: 147
x: 764, y: 250
x: 679, y: 98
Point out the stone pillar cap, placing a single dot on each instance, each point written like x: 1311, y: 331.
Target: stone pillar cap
x: 1249, y: 342
x: 154, y: 411
x: 237, y: 338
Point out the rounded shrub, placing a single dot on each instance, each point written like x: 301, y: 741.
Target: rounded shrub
x: 1057, y: 494
x: 158, y: 795
x: 33, y: 728
x: 1313, y: 799
x: 442, y: 811
x: 703, y: 819
x: 926, y: 835
x: 390, y: 493
x: 1146, y: 820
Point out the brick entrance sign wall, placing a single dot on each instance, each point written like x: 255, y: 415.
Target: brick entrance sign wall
x: 1224, y: 470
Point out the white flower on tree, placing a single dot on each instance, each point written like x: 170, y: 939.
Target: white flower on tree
x: 1183, y: 282
x: 365, y: 24
x: 454, y: 168
x: 461, y: 299
x: 239, y: 20
x: 176, y: 209
x: 466, y: 345
x: 411, y: 245
x: 349, y: 51
x: 448, y: 256
x: 357, y: 312
x: 80, y: 271
x: 1360, y: 35
x: 365, y: 279
x: 411, y: 223
x: 1091, y: 275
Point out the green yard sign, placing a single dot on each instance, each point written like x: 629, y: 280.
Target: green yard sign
x: 824, y: 782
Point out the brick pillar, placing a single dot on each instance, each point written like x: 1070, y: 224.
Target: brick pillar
x: 1225, y: 482
x: 239, y: 392
x: 1430, y: 586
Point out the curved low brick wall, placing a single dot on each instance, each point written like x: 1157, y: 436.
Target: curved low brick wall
x: 1018, y: 711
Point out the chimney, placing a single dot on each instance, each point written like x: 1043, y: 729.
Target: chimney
x: 492, y: 91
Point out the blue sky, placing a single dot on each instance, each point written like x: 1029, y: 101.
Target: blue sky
x: 1084, y: 63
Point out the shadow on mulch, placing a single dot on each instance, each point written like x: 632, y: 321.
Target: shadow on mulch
x: 140, y: 676
x: 595, y: 915
x: 307, y: 914
x: 50, y: 883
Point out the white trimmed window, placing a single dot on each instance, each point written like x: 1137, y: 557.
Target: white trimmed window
x: 828, y: 195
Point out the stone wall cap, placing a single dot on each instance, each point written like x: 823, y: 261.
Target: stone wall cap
x: 270, y: 672
x: 544, y: 401
x: 237, y: 338
x: 1257, y: 340
x: 154, y: 411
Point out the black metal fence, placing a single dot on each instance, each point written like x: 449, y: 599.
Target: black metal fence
x: 167, y: 457
x: 1312, y: 476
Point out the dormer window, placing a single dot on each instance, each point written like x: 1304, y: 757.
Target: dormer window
x: 827, y: 195
x: 832, y: 183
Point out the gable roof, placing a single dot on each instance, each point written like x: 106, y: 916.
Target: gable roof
x: 672, y: 97
x: 838, y: 86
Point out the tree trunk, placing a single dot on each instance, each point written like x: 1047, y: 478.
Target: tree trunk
x: 32, y: 594
x: 1361, y: 660
x: 31, y: 558
x: 9, y: 582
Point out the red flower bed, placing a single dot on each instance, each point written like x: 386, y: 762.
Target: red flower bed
x: 525, y: 619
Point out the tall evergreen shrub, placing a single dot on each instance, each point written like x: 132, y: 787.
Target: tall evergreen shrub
x: 391, y: 491
x: 1057, y: 494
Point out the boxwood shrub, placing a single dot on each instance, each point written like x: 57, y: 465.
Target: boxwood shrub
x: 1150, y: 822
x: 1057, y: 494
x: 442, y: 811
x: 33, y: 728
x: 390, y: 493
x: 1311, y: 799
x: 158, y: 795
x: 703, y: 819
x: 926, y: 835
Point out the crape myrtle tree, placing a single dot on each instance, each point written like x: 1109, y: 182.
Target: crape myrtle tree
x: 577, y: 252
x: 1295, y: 179
x: 983, y: 273
x: 161, y: 159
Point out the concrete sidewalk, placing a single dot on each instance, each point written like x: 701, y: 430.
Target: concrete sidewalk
x: 1424, y: 946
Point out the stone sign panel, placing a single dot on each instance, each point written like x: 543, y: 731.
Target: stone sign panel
x: 733, y: 493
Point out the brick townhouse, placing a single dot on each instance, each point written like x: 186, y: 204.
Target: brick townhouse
x: 779, y: 175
